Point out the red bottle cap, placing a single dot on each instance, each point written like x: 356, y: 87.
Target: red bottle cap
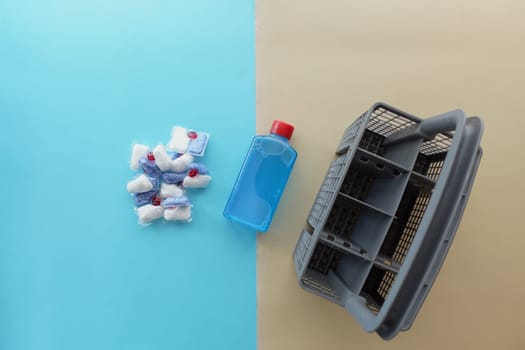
x: 282, y: 129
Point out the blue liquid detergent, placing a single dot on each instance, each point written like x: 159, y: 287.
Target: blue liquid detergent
x: 262, y: 178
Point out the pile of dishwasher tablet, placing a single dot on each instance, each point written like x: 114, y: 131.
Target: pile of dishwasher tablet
x: 166, y: 171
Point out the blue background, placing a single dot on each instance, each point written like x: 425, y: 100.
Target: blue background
x: 79, y: 82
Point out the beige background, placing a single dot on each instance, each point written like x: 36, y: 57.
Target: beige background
x: 320, y: 64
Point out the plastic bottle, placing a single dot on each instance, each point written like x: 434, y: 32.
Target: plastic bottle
x: 262, y: 178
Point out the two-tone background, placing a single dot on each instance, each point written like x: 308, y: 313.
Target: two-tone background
x: 81, y: 80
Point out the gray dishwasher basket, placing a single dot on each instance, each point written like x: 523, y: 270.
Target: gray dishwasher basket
x: 386, y: 214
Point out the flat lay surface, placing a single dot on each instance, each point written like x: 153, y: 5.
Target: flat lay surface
x: 320, y: 66
x: 82, y: 81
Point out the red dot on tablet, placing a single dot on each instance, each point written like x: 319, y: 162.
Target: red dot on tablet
x: 155, y: 201
x: 193, y: 172
x: 150, y: 156
x: 192, y: 135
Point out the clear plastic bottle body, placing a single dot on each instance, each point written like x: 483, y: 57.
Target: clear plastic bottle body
x: 261, y: 182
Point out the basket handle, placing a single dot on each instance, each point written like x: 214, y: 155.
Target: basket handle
x: 441, y: 123
x: 428, y: 128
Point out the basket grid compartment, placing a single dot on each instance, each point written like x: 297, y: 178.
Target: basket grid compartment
x: 434, y: 169
x: 318, y: 282
x: 377, y: 287
x: 351, y: 134
x: 356, y: 185
x: 328, y: 188
x: 413, y: 222
x: 408, y: 218
x: 324, y: 258
x: 386, y: 122
x: 430, y: 165
x: 342, y: 219
x: 439, y: 144
x: 373, y: 142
